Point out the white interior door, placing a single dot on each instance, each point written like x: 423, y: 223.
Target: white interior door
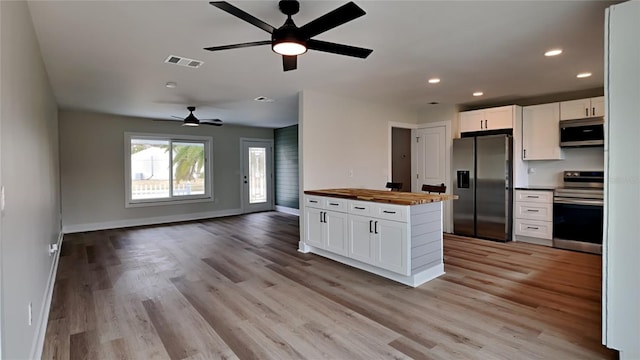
x: 433, y: 154
x: 257, y: 175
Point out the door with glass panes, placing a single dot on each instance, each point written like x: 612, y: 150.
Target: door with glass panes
x: 257, y: 175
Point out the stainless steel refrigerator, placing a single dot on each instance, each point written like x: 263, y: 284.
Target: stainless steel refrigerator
x: 482, y: 173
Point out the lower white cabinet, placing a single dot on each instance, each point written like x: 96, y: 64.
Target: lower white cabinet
x: 379, y: 242
x: 533, y: 213
x: 402, y: 243
x: 390, y: 246
x: 360, y: 234
x: 326, y: 229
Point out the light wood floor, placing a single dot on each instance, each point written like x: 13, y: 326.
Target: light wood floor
x: 237, y: 288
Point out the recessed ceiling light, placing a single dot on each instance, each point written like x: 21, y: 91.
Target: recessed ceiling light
x: 434, y: 81
x: 583, y: 75
x: 478, y: 93
x: 553, y: 52
x: 171, y: 85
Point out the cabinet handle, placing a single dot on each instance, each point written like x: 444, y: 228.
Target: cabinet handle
x: 375, y: 227
x: 485, y: 124
x: 593, y: 110
x: 586, y: 111
x: 370, y: 225
x: 358, y: 208
x: 388, y: 212
x: 531, y: 210
x: 524, y: 153
x: 325, y: 217
x: 321, y: 216
x: 334, y: 204
x: 533, y: 196
x: 313, y: 201
x: 481, y: 125
x: 532, y: 227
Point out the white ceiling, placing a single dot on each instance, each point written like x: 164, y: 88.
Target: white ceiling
x: 108, y: 56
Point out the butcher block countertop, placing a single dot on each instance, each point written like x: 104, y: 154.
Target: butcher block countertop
x: 382, y: 196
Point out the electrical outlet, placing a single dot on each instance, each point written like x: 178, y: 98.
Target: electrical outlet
x: 30, y: 314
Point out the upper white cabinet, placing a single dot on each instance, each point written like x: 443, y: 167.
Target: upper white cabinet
x: 487, y: 119
x: 541, y: 132
x: 582, y: 108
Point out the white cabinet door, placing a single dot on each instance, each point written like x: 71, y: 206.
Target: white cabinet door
x: 486, y: 119
x: 499, y: 118
x: 336, y: 232
x: 472, y: 121
x: 597, y: 106
x: 582, y: 108
x: 390, y: 239
x: 540, y: 132
x: 314, y: 227
x: 361, y: 244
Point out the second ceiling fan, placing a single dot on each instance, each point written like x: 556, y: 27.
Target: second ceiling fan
x: 290, y: 40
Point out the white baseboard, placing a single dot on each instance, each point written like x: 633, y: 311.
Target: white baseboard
x: 68, y: 229
x: 413, y: 280
x: 38, y: 345
x: 288, y: 210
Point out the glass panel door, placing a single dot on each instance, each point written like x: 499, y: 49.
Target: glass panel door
x: 257, y: 176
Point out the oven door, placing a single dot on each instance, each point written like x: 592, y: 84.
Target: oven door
x: 577, y: 224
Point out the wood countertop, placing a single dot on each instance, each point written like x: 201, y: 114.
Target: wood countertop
x: 382, y: 196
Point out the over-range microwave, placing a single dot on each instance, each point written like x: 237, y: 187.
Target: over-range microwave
x: 582, y: 132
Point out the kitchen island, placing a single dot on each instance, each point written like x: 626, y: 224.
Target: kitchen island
x: 397, y: 235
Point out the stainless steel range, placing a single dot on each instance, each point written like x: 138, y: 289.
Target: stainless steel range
x: 578, y: 212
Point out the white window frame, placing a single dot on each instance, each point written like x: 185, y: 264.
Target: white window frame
x: 172, y: 200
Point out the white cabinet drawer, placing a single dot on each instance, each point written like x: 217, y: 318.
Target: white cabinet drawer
x: 390, y: 212
x: 327, y: 203
x: 314, y: 201
x: 534, y: 228
x: 539, y: 196
x: 534, y: 211
x: 360, y: 208
x: 335, y: 204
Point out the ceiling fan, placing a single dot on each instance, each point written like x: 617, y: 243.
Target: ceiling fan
x: 290, y: 40
x: 192, y: 120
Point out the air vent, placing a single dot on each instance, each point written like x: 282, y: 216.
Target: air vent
x: 263, y: 99
x: 182, y: 61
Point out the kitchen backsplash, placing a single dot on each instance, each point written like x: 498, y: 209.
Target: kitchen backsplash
x: 549, y: 173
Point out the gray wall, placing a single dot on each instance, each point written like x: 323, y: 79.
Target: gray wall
x: 92, y: 170
x: 29, y: 173
x: 286, y: 164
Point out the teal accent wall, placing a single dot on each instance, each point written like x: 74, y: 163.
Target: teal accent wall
x: 286, y: 164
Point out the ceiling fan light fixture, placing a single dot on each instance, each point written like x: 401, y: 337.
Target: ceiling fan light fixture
x: 191, y: 120
x: 289, y: 48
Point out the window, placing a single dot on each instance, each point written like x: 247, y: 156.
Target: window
x: 165, y: 169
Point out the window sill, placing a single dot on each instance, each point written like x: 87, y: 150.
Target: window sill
x: 157, y: 202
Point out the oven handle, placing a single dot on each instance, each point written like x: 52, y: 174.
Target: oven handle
x: 578, y: 202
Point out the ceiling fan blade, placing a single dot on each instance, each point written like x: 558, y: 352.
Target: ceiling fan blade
x: 225, y: 6
x: 177, y: 117
x: 289, y: 62
x: 217, y: 123
x: 237, y: 46
x: 330, y: 20
x: 338, y: 48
